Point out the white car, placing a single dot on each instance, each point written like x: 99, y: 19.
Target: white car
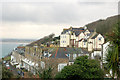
x: 4, y: 62
x: 7, y: 65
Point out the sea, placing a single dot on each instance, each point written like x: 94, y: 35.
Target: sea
x: 7, y: 47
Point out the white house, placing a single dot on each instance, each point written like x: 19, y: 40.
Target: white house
x: 83, y: 43
x: 65, y: 39
x: 86, y: 32
x: 81, y: 36
x: 95, y: 42
x: 105, y: 49
x: 70, y: 37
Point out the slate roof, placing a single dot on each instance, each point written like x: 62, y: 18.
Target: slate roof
x: 77, y: 31
x: 65, y: 31
x: 92, y: 34
x: 76, y: 50
x: 84, y: 31
x: 61, y: 52
x: 95, y: 36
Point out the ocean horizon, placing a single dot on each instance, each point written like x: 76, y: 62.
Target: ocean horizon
x: 7, y: 47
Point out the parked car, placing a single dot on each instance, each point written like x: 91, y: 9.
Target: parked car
x: 4, y: 62
x: 7, y: 65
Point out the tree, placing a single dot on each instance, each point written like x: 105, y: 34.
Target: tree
x: 6, y: 73
x: 47, y: 39
x: 113, y: 53
x: 82, y: 68
x: 46, y: 74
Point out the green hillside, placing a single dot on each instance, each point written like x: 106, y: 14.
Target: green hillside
x: 104, y: 26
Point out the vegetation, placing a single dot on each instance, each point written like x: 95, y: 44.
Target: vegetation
x: 8, y: 58
x: 82, y: 68
x: 46, y: 40
x: 104, y: 26
x: 46, y: 74
x: 113, y: 51
x: 6, y: 73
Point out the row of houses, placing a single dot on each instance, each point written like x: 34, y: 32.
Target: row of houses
x: 37, y: 59
x: 74, y: 42
x: 81, y: 37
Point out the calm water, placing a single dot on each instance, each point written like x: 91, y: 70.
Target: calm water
x: 6, y: 48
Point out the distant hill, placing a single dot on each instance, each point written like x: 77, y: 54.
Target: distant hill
x: 17, y: 40
x: 104, y: 26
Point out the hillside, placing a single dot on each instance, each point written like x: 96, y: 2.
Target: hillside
x: 104, y: 26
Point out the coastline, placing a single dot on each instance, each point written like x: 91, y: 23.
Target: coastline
x: 9, y: 43
x: 15, y: 42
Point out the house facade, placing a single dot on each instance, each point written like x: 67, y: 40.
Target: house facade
x: 81, y: 37
x: 70, y: 37
x: 95, y: 42
x: 65, y: 39
x: 33, y: 55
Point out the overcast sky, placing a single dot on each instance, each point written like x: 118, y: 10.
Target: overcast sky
x: 36, y: 19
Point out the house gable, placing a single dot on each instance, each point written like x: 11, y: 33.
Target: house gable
x: 81, y: 35
x: 86, y: 32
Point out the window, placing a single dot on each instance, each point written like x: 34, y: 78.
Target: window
x: 99, y: 38
x: 84, y: 43
x: 63, y: 41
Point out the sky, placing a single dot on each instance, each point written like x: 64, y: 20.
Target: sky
x: 34, y: 19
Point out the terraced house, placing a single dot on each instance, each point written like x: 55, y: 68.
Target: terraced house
x: 72, y: 37
x: 81, y: 37
x: 37, y: 58
x: 32, y: 57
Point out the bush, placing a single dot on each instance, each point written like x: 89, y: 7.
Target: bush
x: 82, y: 68
x: 6, y: 73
